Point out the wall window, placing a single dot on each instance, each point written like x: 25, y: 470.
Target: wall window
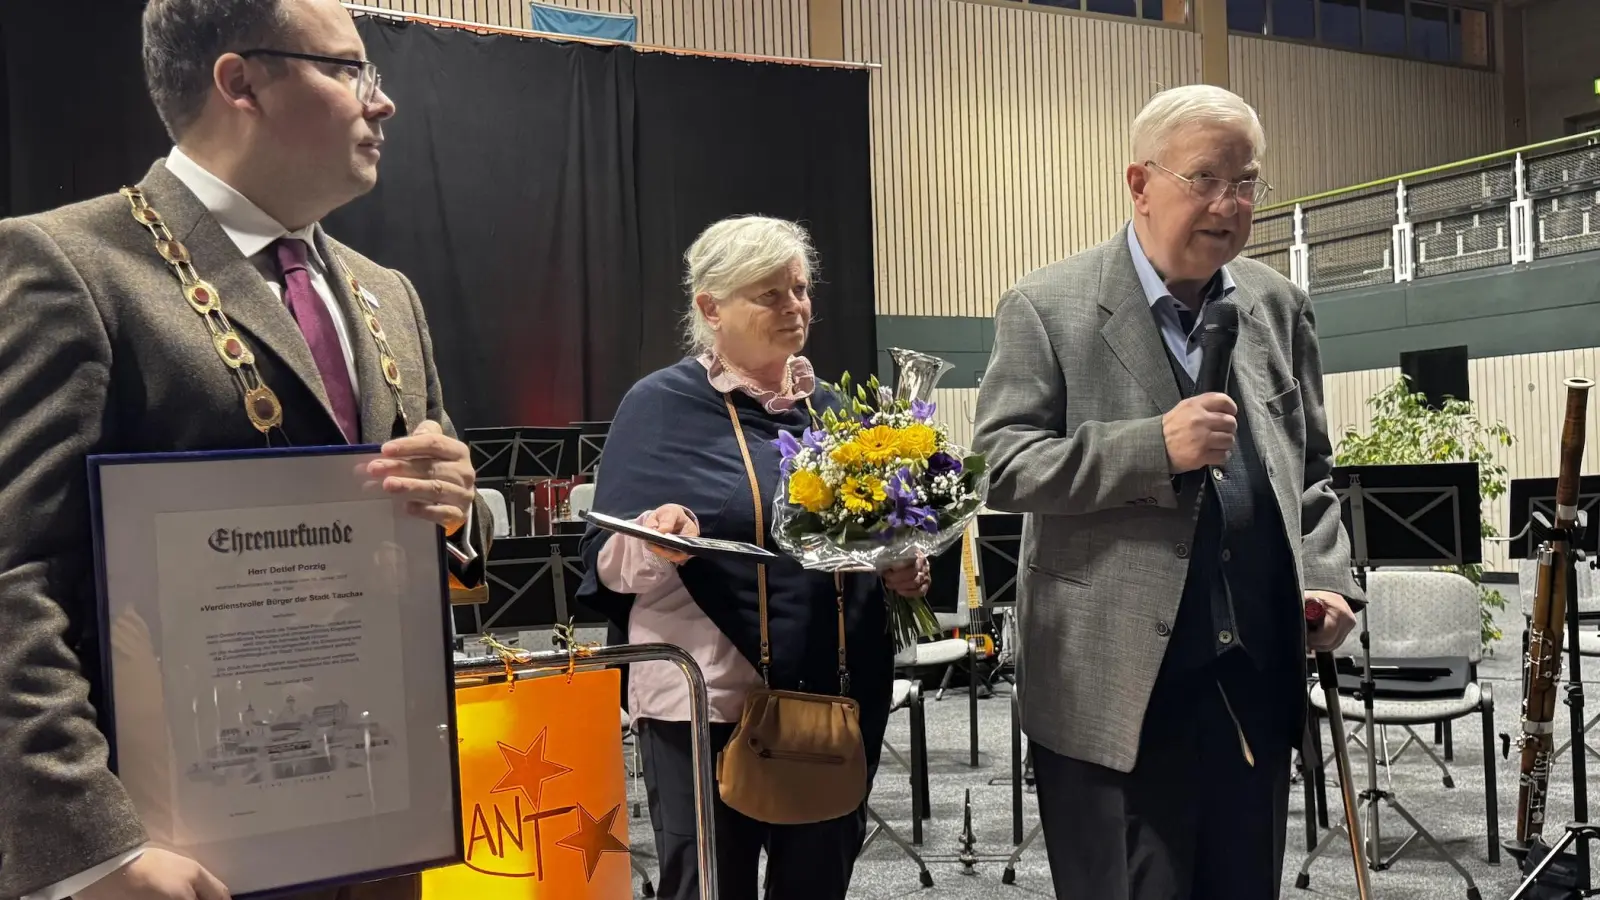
x: 1450, y: 31
x: 1175, y: 12
x: 1247, y: 15
x: 1430, y: 31
x: 1341, y: 22
x: 1386, y: 26
x: 1294, y: 19
x: 1114, y: 7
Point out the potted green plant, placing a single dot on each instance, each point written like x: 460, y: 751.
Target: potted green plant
x: 1405, y: 430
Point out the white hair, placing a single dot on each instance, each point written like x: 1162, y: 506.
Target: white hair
x: 1175, y: 109
x: 733, y: 254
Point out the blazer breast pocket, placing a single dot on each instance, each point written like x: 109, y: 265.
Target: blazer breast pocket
x: 1286, y: 402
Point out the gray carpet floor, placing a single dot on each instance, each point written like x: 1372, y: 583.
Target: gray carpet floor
x: 1455, y: 816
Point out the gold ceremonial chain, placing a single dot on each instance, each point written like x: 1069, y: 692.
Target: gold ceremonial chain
x: 260, y: 403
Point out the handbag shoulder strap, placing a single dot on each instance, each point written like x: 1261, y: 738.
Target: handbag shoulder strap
x: 761, y: 569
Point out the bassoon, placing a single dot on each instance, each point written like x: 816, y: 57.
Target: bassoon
x: 1547, y: 629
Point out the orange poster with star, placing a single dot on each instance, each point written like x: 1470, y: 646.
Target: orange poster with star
x: 544, y: 806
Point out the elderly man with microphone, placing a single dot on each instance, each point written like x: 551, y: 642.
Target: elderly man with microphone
x: 1154, y: 404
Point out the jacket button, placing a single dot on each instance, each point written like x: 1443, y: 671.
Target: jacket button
x: 1182, y: 550
x: 1217, y: 474
x: 1225, y: 637
x: 1227, y: 555
x: 1163, y: 629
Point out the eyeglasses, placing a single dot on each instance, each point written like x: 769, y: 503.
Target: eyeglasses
x: 367, y: 82
x: 1249, y: 191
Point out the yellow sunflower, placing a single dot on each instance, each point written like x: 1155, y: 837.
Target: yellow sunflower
x: 862, y: 494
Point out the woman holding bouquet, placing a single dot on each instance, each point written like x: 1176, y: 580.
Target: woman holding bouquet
x: 677, y: 462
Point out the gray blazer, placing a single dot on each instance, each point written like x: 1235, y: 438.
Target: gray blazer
x: 1069, y: 415
x: 100, y: 353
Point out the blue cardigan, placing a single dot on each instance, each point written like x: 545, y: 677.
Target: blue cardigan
x: 671, y: 442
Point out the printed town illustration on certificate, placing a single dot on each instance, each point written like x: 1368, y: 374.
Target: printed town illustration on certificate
x: 283, y: 671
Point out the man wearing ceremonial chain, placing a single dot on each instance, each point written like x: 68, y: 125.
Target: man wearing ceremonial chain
x: 202, y: 309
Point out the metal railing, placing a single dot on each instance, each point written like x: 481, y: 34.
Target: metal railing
x: 476, y: 670
x: 1503, y: 209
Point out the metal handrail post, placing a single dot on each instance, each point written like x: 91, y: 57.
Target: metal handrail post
x: 492, y: 669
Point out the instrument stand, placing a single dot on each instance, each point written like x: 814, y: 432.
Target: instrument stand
x: 1544, y: 880
x: 1422, y: 514
x: 1557, y: 874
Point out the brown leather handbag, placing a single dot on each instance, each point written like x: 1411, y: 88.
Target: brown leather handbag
x: 795, y: 757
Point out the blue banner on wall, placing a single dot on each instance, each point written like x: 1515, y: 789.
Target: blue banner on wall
x: 582, y: 23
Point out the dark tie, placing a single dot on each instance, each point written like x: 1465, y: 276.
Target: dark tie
x: 316, y: 323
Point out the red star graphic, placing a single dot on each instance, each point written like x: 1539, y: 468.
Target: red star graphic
x: 528, y: 770
x: 594, y: 839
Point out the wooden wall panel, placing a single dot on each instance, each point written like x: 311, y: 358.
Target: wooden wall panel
x: 1523, y: 391
x: 956, y: 408
x: 760, y: 27
x: 999, y: 139
x: 1335, y: 118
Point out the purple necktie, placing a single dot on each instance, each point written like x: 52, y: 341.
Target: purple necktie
x: 316, y: 323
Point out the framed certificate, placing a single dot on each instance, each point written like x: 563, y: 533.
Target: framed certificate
x: 275, y: 643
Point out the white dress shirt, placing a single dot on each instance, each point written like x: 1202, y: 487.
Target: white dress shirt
x: 253, y: 232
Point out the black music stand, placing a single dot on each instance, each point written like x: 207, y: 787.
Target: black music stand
x: 546, y: 456
x: 591, y: 445
x: 999, y: 547
x: 1532, y: 516
x: 493, y: 452
x: 1529, y: 495
x: 1402, y: 516
x: 531, y: 582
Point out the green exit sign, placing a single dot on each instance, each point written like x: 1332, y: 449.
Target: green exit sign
x: 1597, y: 87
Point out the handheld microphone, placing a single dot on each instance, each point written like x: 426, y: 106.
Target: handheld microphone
x: 1219, y: 331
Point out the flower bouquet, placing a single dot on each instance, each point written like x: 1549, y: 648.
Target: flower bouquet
x: 874, y: 483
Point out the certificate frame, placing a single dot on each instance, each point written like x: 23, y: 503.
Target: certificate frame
x: 389, y: 787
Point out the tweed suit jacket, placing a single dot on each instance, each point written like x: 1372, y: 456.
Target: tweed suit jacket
x: 1069, y: 415
x: 100, y: 353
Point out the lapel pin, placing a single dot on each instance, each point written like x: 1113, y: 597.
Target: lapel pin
x: 367, y: 295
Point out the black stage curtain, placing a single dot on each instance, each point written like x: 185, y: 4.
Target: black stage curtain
x: 506, y: 194
x: 720, y: 137
x: 74, y: 102
x: 539, y: 194
x: 542, y: 194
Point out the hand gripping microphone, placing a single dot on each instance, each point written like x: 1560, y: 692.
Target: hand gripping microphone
x: 1219, y: 331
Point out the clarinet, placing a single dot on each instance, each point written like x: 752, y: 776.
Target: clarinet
x: 1546, y: 633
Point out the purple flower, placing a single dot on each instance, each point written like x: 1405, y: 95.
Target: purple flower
x: 942, y: 463
x: 922, y: 412
x: 906, y: 514
x: 787, y: 448
x: 813, y: 439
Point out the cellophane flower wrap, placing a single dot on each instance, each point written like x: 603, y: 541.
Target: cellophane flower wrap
x: 875, y: 483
